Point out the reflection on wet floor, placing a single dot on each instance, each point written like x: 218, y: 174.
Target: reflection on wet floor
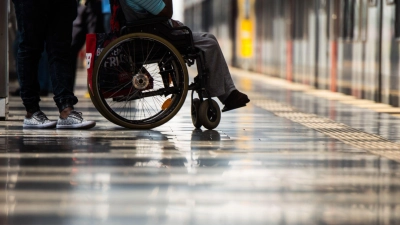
x: 255, y: 168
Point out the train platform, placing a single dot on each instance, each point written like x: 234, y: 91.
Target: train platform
x: 294, y: 155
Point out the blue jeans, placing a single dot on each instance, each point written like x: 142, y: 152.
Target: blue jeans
x: 43, y: 72
x: 45, y: 23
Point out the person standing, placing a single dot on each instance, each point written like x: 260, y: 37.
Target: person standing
x: 89, y: 19
x: 106, y: 9
x: 47, y: 24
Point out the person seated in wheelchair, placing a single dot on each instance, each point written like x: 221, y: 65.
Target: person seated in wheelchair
x: 220, y: 83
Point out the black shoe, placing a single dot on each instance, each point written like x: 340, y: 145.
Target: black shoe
x: 235, y: 100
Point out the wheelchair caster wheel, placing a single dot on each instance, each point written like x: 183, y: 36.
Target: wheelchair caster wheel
x: 195, y: 113
x: 209, y: 116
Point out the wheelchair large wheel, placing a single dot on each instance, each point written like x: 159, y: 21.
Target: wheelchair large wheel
x: 93, y: 100
x: 140, y: 81
x: 209, y: 116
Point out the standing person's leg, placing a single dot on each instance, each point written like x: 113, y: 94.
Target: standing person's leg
x: 79, y: 31
x: 95, y: 20
x: 58, y: 46
x: 220, y: 83
x: 106, y: 22
x: 44, y: 75
x: 106, y: 11
x: 31, y: 21
x: 15, y: 47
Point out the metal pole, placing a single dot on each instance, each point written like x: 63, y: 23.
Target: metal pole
x: 4, y: 59
x: 378, y: 94
x: 317, y: 6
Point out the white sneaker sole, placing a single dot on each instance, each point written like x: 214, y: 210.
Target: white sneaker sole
x: 41, y: 126
x: 84, y: 125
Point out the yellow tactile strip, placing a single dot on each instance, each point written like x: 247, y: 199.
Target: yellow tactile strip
x: 339, y: 131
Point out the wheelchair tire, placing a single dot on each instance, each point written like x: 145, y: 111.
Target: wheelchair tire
x: 209, y: 119
x: 140, y: 81
x: 195, y: 113
x: 92, y: 99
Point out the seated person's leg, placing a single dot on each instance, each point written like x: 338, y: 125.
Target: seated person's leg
x: 220, y: 83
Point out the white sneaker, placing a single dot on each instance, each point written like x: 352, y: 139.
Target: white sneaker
x: 74, y: 121
x: 38, y: 120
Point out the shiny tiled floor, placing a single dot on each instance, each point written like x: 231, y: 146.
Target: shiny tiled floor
x: 256, y: 167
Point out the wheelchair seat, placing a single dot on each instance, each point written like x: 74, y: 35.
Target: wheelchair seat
x: 180, y: 37
x: 149, y: 21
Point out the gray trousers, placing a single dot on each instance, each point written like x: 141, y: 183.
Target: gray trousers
x: 220, y: 83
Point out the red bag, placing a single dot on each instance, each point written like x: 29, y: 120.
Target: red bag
x: 115, y: 69
x: 95, y: 43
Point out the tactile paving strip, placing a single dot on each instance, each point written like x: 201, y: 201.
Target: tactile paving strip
x: 339, y: 131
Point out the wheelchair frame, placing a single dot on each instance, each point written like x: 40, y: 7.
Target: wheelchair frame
x: 204, y: 112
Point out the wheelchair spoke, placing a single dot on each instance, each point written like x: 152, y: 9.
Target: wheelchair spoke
x: 116, y: 91
x: 147, y: 58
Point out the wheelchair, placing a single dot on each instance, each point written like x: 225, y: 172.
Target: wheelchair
x: 140, y: 79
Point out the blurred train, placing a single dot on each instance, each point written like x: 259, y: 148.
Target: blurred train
x: 347, y: 46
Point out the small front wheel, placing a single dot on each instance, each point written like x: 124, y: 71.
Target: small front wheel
x: 209, y: 116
